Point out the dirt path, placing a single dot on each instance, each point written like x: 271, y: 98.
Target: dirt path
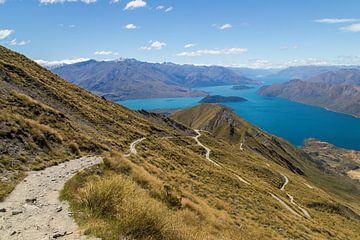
x: 285, y: 183
x: 33, y: 210
x: 206, y: 148
x: 241, y: 146
x: 285, y: 205
x: 306, y: 213
x: 133, y: 147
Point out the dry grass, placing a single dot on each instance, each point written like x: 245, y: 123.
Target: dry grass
x: 119, y: 207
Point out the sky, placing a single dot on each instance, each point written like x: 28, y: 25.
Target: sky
x: 237, y: 33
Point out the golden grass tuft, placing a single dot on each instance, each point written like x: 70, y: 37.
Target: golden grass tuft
x: 114, y: 206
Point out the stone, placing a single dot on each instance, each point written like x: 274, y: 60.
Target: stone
x: 16, y: 212
x: 59, y: 209
x: 59, y: 234
x: 30, y: 200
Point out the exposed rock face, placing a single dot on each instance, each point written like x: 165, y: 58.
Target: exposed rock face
x: 338, y: 91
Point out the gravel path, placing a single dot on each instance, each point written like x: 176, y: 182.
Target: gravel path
x: 33, y: 210
x: 133, y: 147
x: 207, y: 155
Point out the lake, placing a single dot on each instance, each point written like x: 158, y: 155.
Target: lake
x: 289, y: 120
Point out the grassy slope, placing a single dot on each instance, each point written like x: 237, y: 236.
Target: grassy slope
x: 171, y: 175
x: 334, y: 159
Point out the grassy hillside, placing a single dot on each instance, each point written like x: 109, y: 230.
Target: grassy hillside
x: 169, y: 190
x: 335, y: 159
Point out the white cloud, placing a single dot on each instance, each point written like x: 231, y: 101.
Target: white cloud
x: 131, y: 26
x: 336, y: 20
x: 222, y: 26
x: 287, y: 47
x: 60, y: 62
x: 169, y: 9
x: 154, y: 45
x: 135, y: 4
x: 351, y: 28
x: 14, y: 42
x: 114, y: 1
x: 4, y: 33
x: 204, y: 52
x: 46, y: 2
x: 190, y: 45
x: 105, y: 53
x: 2, y: 2
x: 164, y: 8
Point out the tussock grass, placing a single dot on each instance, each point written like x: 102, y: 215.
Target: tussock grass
x: 119, y: 207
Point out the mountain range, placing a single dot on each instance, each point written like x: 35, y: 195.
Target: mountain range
x: 306, y: 72
x: 335, y: 90
x: 203, y: 173
x: 129, y: 78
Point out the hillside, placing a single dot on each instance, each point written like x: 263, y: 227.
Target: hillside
x: 303, y: 72
x: 129, y: 78
x: 343, y: 76
x: 161, y: 179
x: 340, y: 160
x: 338, y: 91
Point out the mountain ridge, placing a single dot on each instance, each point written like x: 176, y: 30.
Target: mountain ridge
x: 336, y: 90
x: 129, y: 78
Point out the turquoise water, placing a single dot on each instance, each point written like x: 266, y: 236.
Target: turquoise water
x: 289, y: 120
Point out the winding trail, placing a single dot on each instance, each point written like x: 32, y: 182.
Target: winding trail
x: 285, y: 183
x: 242, y: 180
x: 306, y: 213
x: 241, y: 146
x: 33, y: 210
x: 206, y: 148
x: 285, y: 205
x: 133, y: 147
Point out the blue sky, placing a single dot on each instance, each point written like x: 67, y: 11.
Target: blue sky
x: 253, y: 33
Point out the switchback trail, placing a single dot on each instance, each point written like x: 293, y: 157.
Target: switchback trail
x: 305, y: 212
x: 133, y: 146
x: 33, y: 210
x: 206, y: 148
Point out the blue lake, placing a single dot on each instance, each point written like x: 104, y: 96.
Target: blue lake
x: 289, y: 120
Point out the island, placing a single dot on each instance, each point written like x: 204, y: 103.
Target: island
x: 222, y: 99
x: 241, y: 87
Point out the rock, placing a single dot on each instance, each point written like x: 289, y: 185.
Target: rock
x: 59, y: 209
x: 30, y: 200
x: 2, y: 210
x: 59, y: 234
x: 16, y: 212
x: 13, y: 233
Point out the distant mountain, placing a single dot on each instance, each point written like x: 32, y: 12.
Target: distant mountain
x: 342, y: 76
x: 336, y: 90
x: 255, y: 72
x: 304, y: 72
x: 129, y: 78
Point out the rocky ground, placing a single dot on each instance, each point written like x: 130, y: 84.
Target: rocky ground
x: 33, y: 210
